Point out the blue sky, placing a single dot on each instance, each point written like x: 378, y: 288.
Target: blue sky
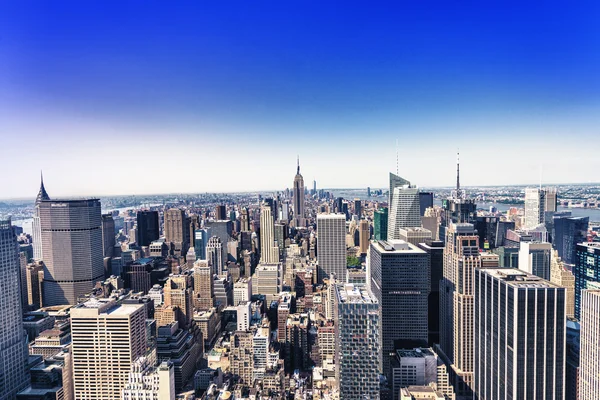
x: 145, y: 97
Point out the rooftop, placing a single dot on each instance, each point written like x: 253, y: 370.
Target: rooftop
x: 393, y: 246
x: 519, y: 279
x: 348, y: 293
x: 419, y: 352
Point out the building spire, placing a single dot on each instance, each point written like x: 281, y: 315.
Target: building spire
x: 298, y: 171
x: 457, y: 171
x: 42, y: 194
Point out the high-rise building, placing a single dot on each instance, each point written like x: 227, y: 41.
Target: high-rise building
x: 13, y: 344
x: 268, y: 280
x: 178, y: 293
x: 269, y: 252
x: 108, y: 235
x: 536, y: 201
x: 551, y: 200
x: 357, y: 342
x: 357, y: 208
x: 561, y: 276
x: 214, y: 255
x: 520, y: 336
x: 201, y: 237
x: 298, y: 197
x: 534, y: 258
x: 148, y: 227
x: 586, y: 271
x: 71, y: 249
x: 404, y: 210
x: 567, y: 233
x: 331, y: 246
x: 203, y: 285
x: 242, y: 357
x: 435, y: 252
x: 183, y: 348
x: 364, y: 233
x: 400, y: 281
x: 244, y: 220
x: 414, y: 235
x: 589, y: 367
x: 147, y: 382
x: 220, y: 212
x: 36, y: 226
x: 461, y: 258
x: 425, y: 201
x: 177, y: 230
x: 380, y: 224
x: 107, y: 338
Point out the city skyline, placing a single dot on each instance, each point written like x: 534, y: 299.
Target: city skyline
x: 324, y: 82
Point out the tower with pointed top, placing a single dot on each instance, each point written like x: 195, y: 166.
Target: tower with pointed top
x: 37, y: 228
x: 457, y: 208
x: 299, y: 197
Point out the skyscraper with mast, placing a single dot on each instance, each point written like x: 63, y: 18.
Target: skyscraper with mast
x: 299, y: 197
x: 37, y: 228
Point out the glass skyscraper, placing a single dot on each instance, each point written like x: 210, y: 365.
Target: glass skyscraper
x: 586, y: 271
x: 566, y: 234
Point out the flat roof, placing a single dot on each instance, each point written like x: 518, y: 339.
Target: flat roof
x: 519, y: 279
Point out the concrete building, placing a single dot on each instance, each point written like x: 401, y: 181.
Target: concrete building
x: 242, y: 291
x: 268, y: 280
x: 181, y: 347
x: 561, y: 276
x: 13, y: 345
x: 215, y: 255
x: 400, y: 281
x: 269, y: 252
x: 36, y: 226
x: 244, y: 315
x: 331, y: 246
x: 106, y: 340
x: 177, y: 231
x: 178, y: 293
x: 364, y: 234
x: 203, y: 286
x: 520, y: 336
x: 71, y: 248
x: 405, y: 208
x: 358, y: 361
x: 242, y: 357
x: 589, y: 372
x: 147, y: 382
x: 108, y: 235
x: 298, y: 197
x: 461, y: 259
x: 414, y: 235
x: 536, y: 201
x: 534, y: 258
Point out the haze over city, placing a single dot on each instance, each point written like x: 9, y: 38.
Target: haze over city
x: 133, y: 98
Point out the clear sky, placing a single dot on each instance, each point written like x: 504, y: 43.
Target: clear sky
x: 123, y: 97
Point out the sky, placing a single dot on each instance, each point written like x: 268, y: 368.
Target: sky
x: 136, y: 97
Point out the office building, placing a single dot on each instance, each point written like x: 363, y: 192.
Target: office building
x: 177, y: 231
x: 380, y: 224
x: 357, y: 208
x: 331, y: 246
x: 71, y: 248
x: 567, y: 233
x: 561, y: 276
x: 520, y: 336
x: 242, y: 357
x: 36, y: 226
x: 586, y: 271
x: 414, y: 235
x: 148, y: 227
x: 268, y: 280
x: 269, y: 252
x: 364, y: 234
x: 534, y: 258
x: 13, y: 344
x: 425, y: 201
x: 149, y: 382
x: 298, y: 197
x: 181, y: 347
x: 508, y: 257
x: 538, y: 201
x: 108, y: 235
x: 244, y: 220
x: 260, y: 349
x: 400, y: 282
x: 589, y: 367
x: 214, y: 255
x: 242, y: 291
x: 358, y: 362
x: 404, y: 210
x: 107, y: 338
x: 203, y: 285
x: 461, y: 259
x: 178, y: 293
x: 220, y: 212
x: 435, y: 253
x: 551, y: 200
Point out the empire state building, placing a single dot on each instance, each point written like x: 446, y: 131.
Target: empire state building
x: 299, y: 197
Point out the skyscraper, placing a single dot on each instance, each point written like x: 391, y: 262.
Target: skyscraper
x: 299, y: 197
x: 358, y: 208
x: 71, y: 249
x: 201, y: 237
x: 178, y: 293
x: 561, y: 276
x: 177, y: 230
x: 269, y: 252
x: 567, y: 233
x: 364, y: 234
x: 331, y: 246
x: 435, y: 252
x: 520, y: 336
x: 13, y: 368
x: 535, y: 206
x: 404, y: 209
x: 244, y: 220
x: 534, y: 258
x: 399, y: 277
x: 380, y: 224
x: 36, y: 227
x: 203, y: 286
x: 461, y: 258
x: 214, y: 255
x: 357, y: 342
x: 586, y: 271
x: 148, y: 228
x: 425, y: 201
x: 589, y: 367
x: 106, y: 340
x: 108, y: 235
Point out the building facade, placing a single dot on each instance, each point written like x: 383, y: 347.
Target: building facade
x: 331, y: 246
